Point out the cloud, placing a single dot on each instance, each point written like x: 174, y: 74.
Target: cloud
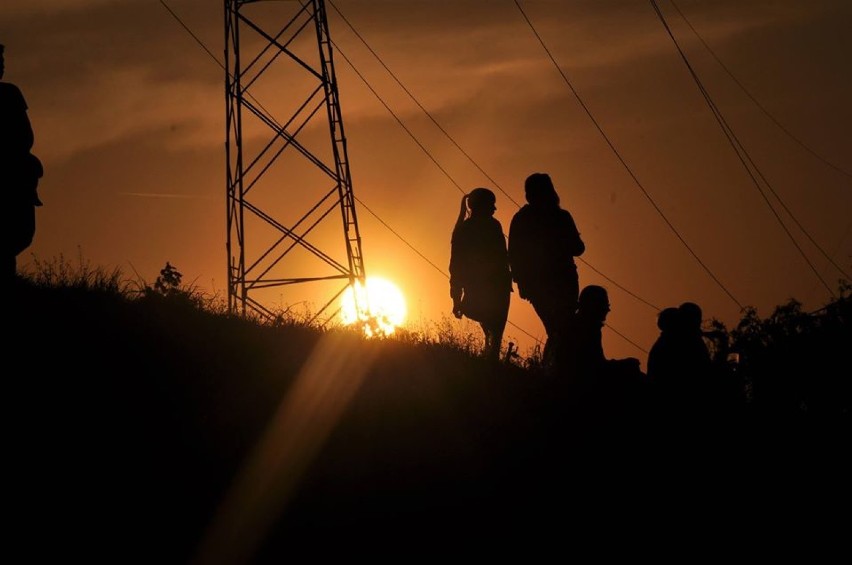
x: 126, y: 103
x: 167, y: 196
x: 29, y: 8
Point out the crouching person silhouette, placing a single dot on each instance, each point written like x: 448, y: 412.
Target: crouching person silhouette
x: 617, y: 387
x: 480, y: 279
x: 20, y: 172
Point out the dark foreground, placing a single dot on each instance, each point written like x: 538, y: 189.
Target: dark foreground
x: 146, y: 435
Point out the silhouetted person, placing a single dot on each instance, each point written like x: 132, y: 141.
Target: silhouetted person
x: 663, y: 365
x: 20, y: 171
x: 480, y: 280
x: 679, y: 364
x: 543, y: 241
x: 617, y: 386
x: 697, y: 354
x: 588, y: 356
x: 716, y: 390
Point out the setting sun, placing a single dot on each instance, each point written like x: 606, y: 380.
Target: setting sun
x: 381, y: 307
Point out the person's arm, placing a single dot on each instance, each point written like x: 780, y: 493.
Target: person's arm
x: 575, y: 242
x: 516, y: 252
x: 456, y: 270
x: 20, y: 132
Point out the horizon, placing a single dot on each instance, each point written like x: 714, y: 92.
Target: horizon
x: 135, y: 173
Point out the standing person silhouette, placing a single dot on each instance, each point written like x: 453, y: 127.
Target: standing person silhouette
x: 480, y: 280
x: 19, y: 174
x: 543, y: 241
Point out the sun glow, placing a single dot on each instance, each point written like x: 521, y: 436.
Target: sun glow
x: 380, y: 307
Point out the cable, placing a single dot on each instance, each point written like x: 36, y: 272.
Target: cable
x: 428, y: 154
x: 189, y: 31
x: 385, y: 224
x: 402, y: 239
x: 743, y: 154
x: 429, y: 115
x: 625, y: 338
x: 756, y: 102
x: 416, y: 101
x: 623, y: 162
x: 436, y: 267
x: 777, y: 123
x: 639, y: 298
x: 399, y: 121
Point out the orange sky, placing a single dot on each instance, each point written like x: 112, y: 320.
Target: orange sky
x: 128, y: 111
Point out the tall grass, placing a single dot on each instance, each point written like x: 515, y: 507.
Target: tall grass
x: 169, y: 290
x: 60, y: 272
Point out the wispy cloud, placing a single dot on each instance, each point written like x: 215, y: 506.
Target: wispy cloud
x: 163, y: 195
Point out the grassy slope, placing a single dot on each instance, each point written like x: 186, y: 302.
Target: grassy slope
x: 132, y: 423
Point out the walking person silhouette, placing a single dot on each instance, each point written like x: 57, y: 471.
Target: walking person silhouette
x: 480, y: 280
x: 543, y: 241
x: 20, y: 172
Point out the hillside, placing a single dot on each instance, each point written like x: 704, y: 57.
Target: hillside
x: 152, y: 431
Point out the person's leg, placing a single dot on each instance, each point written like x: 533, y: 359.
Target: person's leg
x: 544, y: 309
x: 556, y: 312
x: 497, y: 337
x: 499, y: 325
x: 488, y: 349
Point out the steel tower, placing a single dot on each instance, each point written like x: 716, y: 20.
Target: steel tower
x: 286, y: 160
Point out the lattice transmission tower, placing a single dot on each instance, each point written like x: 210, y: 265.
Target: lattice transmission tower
x: 288, y: 180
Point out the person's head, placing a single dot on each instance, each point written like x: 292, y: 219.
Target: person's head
x: 481, y: 201
x: 539, y: 190
x: 690, y: 314
x: 594, y: 301
x: 668, y: 319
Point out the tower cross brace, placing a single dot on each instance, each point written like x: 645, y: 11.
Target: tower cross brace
x: 283, y: 182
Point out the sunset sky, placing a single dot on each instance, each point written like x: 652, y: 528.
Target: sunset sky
x: 129, y: 110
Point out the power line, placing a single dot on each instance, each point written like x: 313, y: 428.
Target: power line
x: 399, y: 121
x: 436, y: 267
x: 189, y: 31
x: 621, y: 159
x: 780, y: 126
x: 428, y: 154
x: 743, y: 155
x: 425, y: 111
x: 625, y: 338
x: 429, y: 115
x: 637, y: 297
x: 416, y: 101
x: 762, y: 108
x: 385, y: 224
